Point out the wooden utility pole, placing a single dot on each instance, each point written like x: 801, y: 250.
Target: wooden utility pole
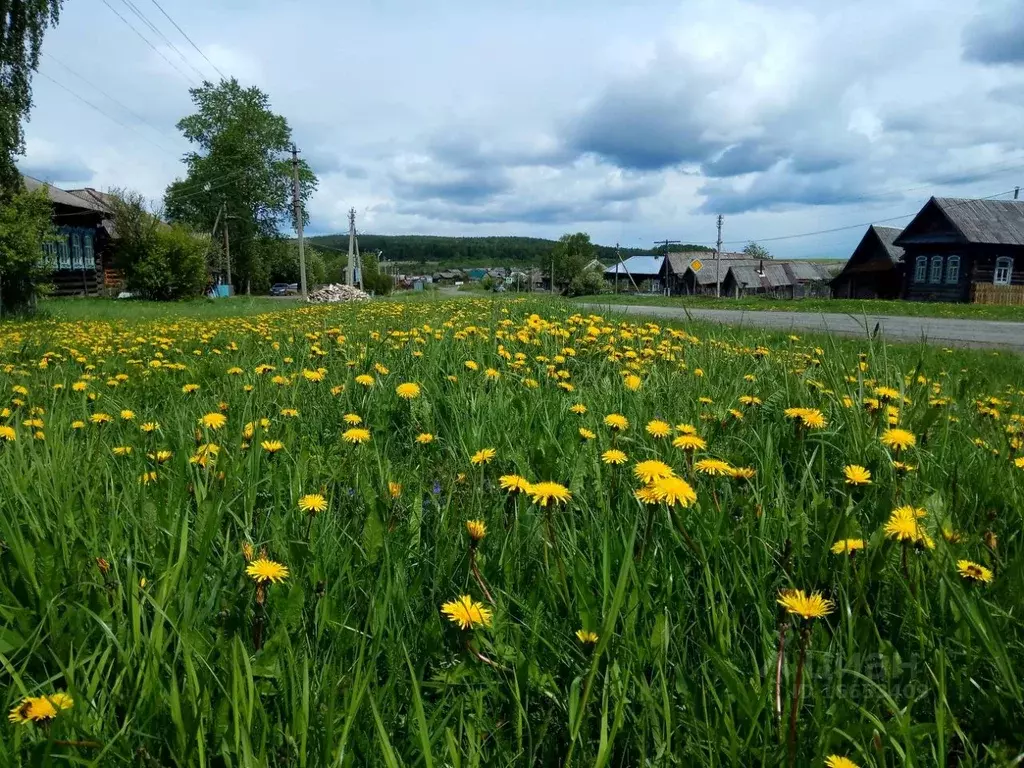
x: 618, y: 257
x: 227, y: 252
x: 297, y: 205
x: 350, y: 277
x: 552, y: 275
x: 718, y: 260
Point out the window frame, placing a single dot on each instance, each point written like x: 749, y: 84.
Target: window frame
x: 1003, y: 263
x: 88, y: 250
x: 63, y: 251
x: 76, y: 250
x: 920, y: 269
x: 935, y: 270
x: 953, y: 269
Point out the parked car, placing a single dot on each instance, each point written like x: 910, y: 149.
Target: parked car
x: 284, y: 289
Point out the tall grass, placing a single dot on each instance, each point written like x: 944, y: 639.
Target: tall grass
x: 357, y: 666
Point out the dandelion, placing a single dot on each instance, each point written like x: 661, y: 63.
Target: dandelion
x: 160, y: 457
x: 424, y: 438
x: 147, y: 477
x: 587, y: 637
x: 365, y: 380
x: 261, y: 570
x: 544, y: 492
x: 614, y: 456
x: 855, y: 474
x: 150, y: 426
x: 658, y: 429
x: 356, y: 435
x: 476, y: 529
x: 812, y: 606
x: 647, y: 495
x: 633, y: 382
x: 313, y: 503
x: 214, y: 421
x: 713, y: 467
x: 290, y: 413
x: 974, y: 572
x: 352, y: 419
x: 483, y: 456
x: 616, y: 421
x: 847, y: 546
x: 40, y: 709
x: 408, y: 391
x: 313, y: 376
x: 121, y: 450
x: 467, y: 613
x: 898, y: 439
x: 189, y: 389
x: 272, y: 446
x: 586, y: 434
x: 690, y: 443
x: 100, y: 418
x: 514, y: 483
x: 394, y: 489
x: 651, y: 470
x: 673, y: 490
x: 7, y: 434
x: 579, y: 409
x: 127, y: 415
x: 837, y: 761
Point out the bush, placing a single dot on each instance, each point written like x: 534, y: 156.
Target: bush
x: 24, y: 227
x: 160, y: 262
x: 587, y: 282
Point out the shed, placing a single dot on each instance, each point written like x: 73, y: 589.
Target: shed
x: 875, y: 270
x: 642, y: 269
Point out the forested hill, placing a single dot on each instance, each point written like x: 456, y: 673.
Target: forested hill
x: 462, y: 251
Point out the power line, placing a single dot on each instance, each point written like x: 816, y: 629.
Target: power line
x: 222, y: 75
x: 147, y: 41
x: 142, y: 17
x: 127, y: 109
x: 103, y: 112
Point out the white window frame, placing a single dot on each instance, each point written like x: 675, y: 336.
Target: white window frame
x: 935, y: 270
x: 1003, y: 273
x: 953, y: 269
x: 76, y: 250
x: 63, y: 251
x: 88, y: 252
x: 921, y: 269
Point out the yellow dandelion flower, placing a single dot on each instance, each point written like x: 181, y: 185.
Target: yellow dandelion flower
x: 150, y: 426
x: 633, y: 382
x: 476, y: 529
x: 365, y: 380
x: 838, y: 761
x: 847, y: 546
x: 214, y: 421
x: 587, y: 637
x: 579, y: 409
x: 614, y: 456
x: 658, y: 429
x: 8, y: 434
x: 408, y: 391
x: 483, y: 456
x: 313, y: 503
x: 974, y: 572
x: 544, y: 492
x: 424, y: 438
x: 100, y: 418
x: 394, y: 489
x: 121, y: 450
x: 690, y: 443
x: 514, y: 483
x: 261, y: 570
x: 314, y: 376
x: 898, y: 439
x: 651, y: 470
x: 127, y: 414
x: 713, y: 467
x: 272, y: 446
x: 467, y: 613
x: 647, y: 495
x: 352, y: 419
x: 616, y: 421
x: 356, y: 435
x: 812, y: 606
x: 586, y: 434
x: 674, y: 490
x: 855, y: 474
x: 188, y: 389
x: 40, y: 709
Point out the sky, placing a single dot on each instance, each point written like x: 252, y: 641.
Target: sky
x: 631, y: 121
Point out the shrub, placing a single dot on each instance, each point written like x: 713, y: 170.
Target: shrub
x: 24, y: 227
x: 587, y: 282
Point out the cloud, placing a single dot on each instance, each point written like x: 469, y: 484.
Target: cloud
x: 48, y: 162
x: 996, y: 35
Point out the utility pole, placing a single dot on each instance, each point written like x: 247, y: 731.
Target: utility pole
x: 668, y: 268
x: 297, y: 204
x: 1016, y: 193
x: 552, y: 275
x: 618, y: 256
x: 227, y: 252
x: 350, y: 278
x: 718, y: 260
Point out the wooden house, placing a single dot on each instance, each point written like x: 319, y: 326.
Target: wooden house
x: 648, y: 273
x: 778, y: 280
x: 875, y: 270
x: 683, y: 280
x: 81, y: 257
x: 963, y: 250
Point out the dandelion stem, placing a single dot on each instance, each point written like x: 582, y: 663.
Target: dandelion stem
x: 805, y: 634
x: 783, y: 626
x: 476, y: 573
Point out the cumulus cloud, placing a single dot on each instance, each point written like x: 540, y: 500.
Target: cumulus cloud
x: 996, y: 35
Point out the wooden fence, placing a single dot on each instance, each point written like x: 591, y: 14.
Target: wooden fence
x: 985, y: 293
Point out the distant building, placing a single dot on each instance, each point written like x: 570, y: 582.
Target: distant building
x: 965, y: 250
x: 875, y: 270
x: 639, y: 269
x: 684, y: 280
x: 778, y: 280
x: 81, y: 259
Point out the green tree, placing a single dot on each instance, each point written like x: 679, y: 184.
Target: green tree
x: 159, y: 261
x: 241, y: 169
x: 756, y: 251
x: 24, y: 229
x: 570, y: 255
x: 587, y: 283
x: 22, y: 24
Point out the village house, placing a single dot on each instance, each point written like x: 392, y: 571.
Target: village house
x: 81, y: 258
x: 875, y: 270
x: 778, y: 280
x: 684, y: 280
x: 638, y: 270
x: 963, y: 250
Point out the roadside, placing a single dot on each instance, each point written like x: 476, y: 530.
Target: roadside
x: 858, y: 307
x: 951, y: 332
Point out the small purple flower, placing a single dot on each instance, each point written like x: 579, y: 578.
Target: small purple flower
x: 437, y: 488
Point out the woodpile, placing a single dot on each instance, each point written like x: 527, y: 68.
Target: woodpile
x: 335, y: 294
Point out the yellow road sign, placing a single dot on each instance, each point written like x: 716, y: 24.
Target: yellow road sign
x: 696, y: 265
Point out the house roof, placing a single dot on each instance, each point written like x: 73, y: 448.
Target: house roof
x: 60, y: 197
x: 888, y: 237
x: 680, y: 261
x: 981, y: 222
x: 706, y: 276
x: 776, y: 274
x: 638, y: 265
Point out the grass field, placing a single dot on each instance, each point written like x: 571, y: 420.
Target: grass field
x: 242, y: 541
x: 842, y: 306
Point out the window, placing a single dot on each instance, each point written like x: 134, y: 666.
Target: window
x: 953, y: 269
x: 920, y: 269
x: 76, y: 251
x: 50, y: 255
x: 63, y: 251
x: 87, y: 251
x: 1004, y: 271
x: 936, y: 274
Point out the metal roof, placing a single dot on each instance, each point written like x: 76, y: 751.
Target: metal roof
x: 60, y: 197
x: 638, y: 265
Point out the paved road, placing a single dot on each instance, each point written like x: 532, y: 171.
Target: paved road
x: 934, y: 330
